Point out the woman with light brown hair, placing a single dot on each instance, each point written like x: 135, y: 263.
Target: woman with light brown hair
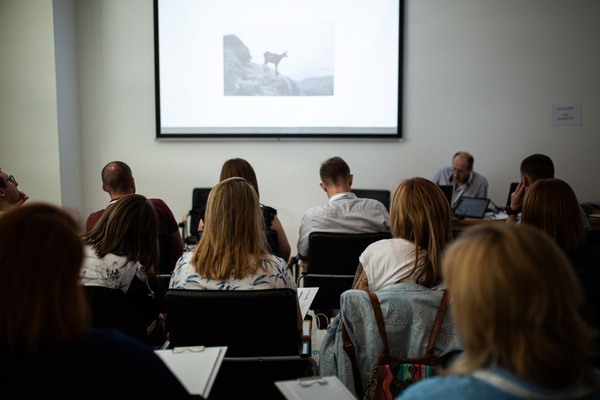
x: 420, y: 225
x: 232, y: 253
x: 278, y: 242
x: 552, y: 206
x: 46, y: 343
x: 515, y: 302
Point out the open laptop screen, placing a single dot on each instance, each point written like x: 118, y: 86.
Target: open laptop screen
x: 471, y: 207
x: 447, y: 189
x: 513, y: 187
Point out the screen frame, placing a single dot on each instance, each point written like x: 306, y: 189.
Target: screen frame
x: 260, y: 133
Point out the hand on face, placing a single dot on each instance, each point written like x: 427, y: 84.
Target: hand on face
x: 516, y: 197
x: 23, y: 198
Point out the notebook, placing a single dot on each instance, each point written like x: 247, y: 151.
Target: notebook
x: 471, y: 207
x: 447, y: 189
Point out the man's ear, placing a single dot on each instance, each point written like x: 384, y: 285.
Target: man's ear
x: 350, y: 179
x: 323, y: 187
x: 104, y: 188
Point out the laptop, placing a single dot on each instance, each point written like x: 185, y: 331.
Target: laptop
x: 471, y: 207
x: 513, y: 187
x: 447, y: 189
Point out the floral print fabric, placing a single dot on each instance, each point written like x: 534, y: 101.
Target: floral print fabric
x: 274, y: 273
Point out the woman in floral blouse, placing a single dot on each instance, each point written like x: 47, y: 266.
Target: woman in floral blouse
x: 232, y: 253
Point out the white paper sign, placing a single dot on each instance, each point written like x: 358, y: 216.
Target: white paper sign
x: 566, y: 115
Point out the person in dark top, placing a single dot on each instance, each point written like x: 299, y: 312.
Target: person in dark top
x: 551, y: 205
x: 46, y: 344
x: 278, y: 241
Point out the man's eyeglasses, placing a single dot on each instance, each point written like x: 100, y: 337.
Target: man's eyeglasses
x: 10, y: 178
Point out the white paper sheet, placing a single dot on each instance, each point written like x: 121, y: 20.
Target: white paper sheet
x: 306, y: 295
x: 196, y: 367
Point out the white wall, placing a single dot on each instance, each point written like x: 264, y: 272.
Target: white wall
x: 480, y: 75
x: 28, y: 104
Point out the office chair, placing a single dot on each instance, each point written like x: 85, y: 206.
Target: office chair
x: 333, y: 259
x: 191, y: 219
x: 164, y: 265
x: 249, y: 322
x: 378, y: 194
x: 110, y: 308
x: 255, y: 377
x: 259, y: 328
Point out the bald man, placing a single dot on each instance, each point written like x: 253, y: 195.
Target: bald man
x: 464, y: 181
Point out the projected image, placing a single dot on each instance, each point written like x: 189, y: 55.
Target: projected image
x: 297, y: 61
x: 278, y: 69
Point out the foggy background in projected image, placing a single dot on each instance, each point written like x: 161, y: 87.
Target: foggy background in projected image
x: 300, y: 59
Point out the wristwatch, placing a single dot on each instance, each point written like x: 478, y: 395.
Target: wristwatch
x: 510, y: 211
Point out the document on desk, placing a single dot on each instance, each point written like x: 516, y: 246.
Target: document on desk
x: 306, y: 295
x: 315, y: 387
x: 196, y: 367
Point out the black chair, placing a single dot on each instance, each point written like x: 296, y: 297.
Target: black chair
x: 164, y: 265
x: 189, y: 225
x: 110, y: 308
x: 378, y: 194
x: 333, y: 259
x: 259, y: 328
x: 249, y: 322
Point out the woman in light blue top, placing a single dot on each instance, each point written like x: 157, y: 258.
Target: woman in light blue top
x: 515, y: 301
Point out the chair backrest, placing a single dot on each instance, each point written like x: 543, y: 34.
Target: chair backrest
x: 255, y: 377
x: 110, y: 308
x: 249, y: 322
x: 377, y: 194
x: 273, y: 241
x: 164, y: 264
x: 199, y: 198
x: 333, y: 259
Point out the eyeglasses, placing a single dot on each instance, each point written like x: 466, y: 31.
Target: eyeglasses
x: 10, y: 178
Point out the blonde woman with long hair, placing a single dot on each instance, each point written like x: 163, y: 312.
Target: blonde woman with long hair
x: 515, y: 301
x: 420, y: 224
x: 232, y: 253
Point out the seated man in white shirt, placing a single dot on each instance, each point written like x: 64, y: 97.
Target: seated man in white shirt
x: 464, y: 181
x: 344, y: 213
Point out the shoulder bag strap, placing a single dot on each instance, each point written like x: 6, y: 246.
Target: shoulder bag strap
x: 439, y: 318
x: 379, y: 319
x: 349, y: 349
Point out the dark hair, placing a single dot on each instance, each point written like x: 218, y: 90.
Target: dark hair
x: 551, y: 205
x: 127, y: 228
x: 334, y: 170
x: 242, y: 168
x: 116, y: 177
x: 42, y: 300
x: 537, y: 166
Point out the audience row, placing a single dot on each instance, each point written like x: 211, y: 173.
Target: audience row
x: 542, y: 262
